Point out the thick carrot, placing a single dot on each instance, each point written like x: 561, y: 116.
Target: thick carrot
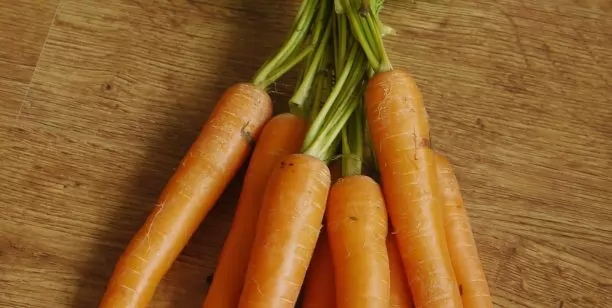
x: 400, y: 291
x: 461, y: 245
x: 287, y: 231
x: 357, y: 229
x: 400, y: 136
x: 319, y: 290
x: 221, y: 148
x: 281, y: 136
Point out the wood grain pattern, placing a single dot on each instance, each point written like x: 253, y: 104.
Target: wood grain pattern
x: 91, y: 126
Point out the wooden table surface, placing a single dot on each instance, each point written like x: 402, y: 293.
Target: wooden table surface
x: 99, y: 100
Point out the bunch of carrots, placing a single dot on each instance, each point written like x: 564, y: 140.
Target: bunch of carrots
x: 312, y: 226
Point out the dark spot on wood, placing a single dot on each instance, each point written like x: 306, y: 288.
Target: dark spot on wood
x: 209, y: 278
x: 291, y: 164
x: 461, y: 290
x: 546, y: 49
x: 480, y: 123
x: 107, y: 86
x: 282, y: 164
x: 444, y: 23
x: 561, y: 304
x: 353, y: 218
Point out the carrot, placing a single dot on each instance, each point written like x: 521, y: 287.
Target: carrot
x: 287, y: 232
x: 282, y: 135
x: 357, y: 228
x: 400, y: 135
x: 296, y: 193
x: 397, y: 122
x: 219, y: 151
x: 210, y: 164
x: 461, y: 245
x: 319, y: 290
x: 400, y: 291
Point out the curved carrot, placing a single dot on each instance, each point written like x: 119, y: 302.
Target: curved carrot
x: 461, y: 245
x: 221, y: 148
x: 400, y: 291
x: 282, y: 135
x: 357, y: 228
x: 287, y: 231
x: 319, y: 289
x: 400, y: 136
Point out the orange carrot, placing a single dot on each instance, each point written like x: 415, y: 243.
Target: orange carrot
x: 319, y: 289
x: 221, y: 148
x: 400, y: 137
x: 400, y: 291
x: 281, y: 136
x: 357, y: 228
x: 287, y: 231
x: 461, y: 245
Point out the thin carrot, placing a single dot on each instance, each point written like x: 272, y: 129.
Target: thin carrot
x: 397, y: 121
x: 319, y: 290
x: 287, y: 232
x: 400, y: 136
x: 400, y: 290
x: 357, y: 229
x: 282, y: 135
x: 461, y: 245
x: 212, y: 161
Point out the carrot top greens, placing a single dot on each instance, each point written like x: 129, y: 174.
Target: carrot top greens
x: 295, y: 48
x: 368, y: 29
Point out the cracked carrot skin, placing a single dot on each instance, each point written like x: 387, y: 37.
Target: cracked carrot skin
x: 461, y: 244
x: 319, y: 288
x: 400, y: 137
x: 287, y: 232
x: 209, y: 165
x: 400, y: 291
x: 281, y: 136
x: 357, y: 229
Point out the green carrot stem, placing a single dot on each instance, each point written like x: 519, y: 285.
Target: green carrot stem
x: 301, y: 94
x: 366, y: 28
x: 317, y: 124
x: 357, y: 27
x: 299, y: 32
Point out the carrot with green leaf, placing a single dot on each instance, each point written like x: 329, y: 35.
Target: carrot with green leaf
x: 281, y: 136
x: 399, y: 129
x: 212, y: 161
x: 295, y: 198
x: 461, y: 245
x: 356, y: 217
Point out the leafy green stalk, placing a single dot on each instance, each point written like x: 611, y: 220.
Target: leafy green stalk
x: 289, y: 54
x: 320, y: 40
x: 329, y: 127
x: 367, y: 29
